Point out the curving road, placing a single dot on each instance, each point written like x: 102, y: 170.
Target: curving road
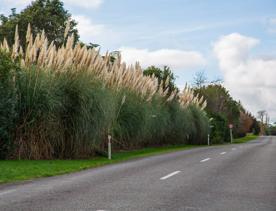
x: 230, y: 177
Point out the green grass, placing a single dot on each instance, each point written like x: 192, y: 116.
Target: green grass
x: 17, y: 170
x: 245, y: 139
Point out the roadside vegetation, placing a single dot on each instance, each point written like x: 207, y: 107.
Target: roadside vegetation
x: 18, y: 170
x: 61, y: 99
x: 223, y: 111
x: 270, y: 129
x: 62, y: 102
x: 245, y: 139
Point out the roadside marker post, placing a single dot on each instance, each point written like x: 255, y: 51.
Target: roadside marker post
x: 231, y: 132
x: 210, y: 130
x: 109, y: 147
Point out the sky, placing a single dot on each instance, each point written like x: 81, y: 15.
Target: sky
x: 230, y: 40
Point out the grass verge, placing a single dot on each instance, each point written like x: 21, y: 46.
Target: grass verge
x: 18, y: 170
x: 245, y: 139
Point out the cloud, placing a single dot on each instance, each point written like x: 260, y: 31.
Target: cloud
x: 271, y: 25
x: 176, y: 59
x: 91, y: 4
x: 251, y: 80
x: 87, y: 29
x: 272, y: 21
x: 16, y: 2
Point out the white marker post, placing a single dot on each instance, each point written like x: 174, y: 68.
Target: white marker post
x: 210, y: 130
x: 231, y: 132
x: 109, y: 147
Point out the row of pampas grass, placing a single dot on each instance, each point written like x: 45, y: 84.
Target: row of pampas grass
x: 63, y: 102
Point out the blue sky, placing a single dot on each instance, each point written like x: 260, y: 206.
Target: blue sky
x: 226, y: 39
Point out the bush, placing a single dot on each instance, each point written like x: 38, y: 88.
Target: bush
x: 219, y: 129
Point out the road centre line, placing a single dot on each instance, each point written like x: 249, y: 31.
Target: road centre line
x: 222, y: 153
x: 170, y: 175
x: 204, y: 160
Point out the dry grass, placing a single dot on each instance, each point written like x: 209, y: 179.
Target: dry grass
x: 187, y: 97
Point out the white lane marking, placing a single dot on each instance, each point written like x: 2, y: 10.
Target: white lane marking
x: 233, y: 148
x: 222, y: 153
x: 6, y: 192
x: 204, y: 160
x: 170, y: 175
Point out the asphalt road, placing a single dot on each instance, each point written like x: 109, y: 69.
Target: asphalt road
x: 232, y: 177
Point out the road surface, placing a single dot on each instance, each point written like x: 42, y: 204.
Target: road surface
x: 230, y: 177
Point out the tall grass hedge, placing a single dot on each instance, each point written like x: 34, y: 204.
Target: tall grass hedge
x: 62, y: 103
x: 67, y: 115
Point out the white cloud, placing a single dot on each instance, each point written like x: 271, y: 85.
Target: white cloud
x: 252, y: 80
x: 87, y: 29
x: 12, y: 3
x: 272, y: 21
x: 271, y: 25
x: 176, y: 59
x: 91, y: 4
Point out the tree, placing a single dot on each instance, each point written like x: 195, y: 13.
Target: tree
x: 220, y: 102
x: 246, y: 123
x: 222, y: 108
x: 48, y: 15
x: 256, y: 127
x: 271, y: 130
x: 200, y: 79
x: 163, y: 75
x: 261, y: 115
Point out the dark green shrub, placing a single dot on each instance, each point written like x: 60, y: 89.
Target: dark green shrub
x: 219, y: 132
x: 8, y: 103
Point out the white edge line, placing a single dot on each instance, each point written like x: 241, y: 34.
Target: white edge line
x: 204, y: 160
x: 6, y: 192
x: 170, y: 175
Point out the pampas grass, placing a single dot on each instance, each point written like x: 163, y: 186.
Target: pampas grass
x: 70, y: 98
x: 115, y: 75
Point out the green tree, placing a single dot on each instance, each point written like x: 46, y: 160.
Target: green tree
x: 222, y: 108
x: 48, y: 15
x: 256, y: 127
